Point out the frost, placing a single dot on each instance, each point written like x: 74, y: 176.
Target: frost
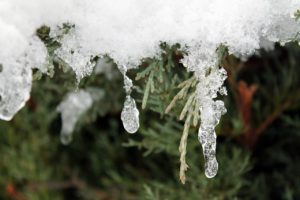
x: 75, y: 104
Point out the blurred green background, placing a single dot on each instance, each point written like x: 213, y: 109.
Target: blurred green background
x: 258, y: 138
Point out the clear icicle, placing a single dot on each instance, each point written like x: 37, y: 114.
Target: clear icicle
x: 130, y: 113
x: 211, y: 112
x: 205, y: 63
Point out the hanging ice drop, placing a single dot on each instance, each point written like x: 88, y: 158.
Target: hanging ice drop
x: 66, y: 138
x: 207, y: 138
x: 130, y: 115
x: 211, y: 167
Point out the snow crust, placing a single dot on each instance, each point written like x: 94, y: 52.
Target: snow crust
x: 128, y: 30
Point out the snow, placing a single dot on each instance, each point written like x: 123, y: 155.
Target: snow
x: 129, y: 30
x: 104, y: 66
x: 73, y: 55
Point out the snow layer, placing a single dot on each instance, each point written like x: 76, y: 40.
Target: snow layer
x: 129, y: 30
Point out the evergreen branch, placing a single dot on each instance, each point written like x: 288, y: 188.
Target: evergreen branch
x: 149, y: 88
x: 196, y: 116
x: 297, y: 15
x: 189, y: 111
x: 277, y: 112
x: 188, y: 104
x: 153, y: 73
x: 182, y: 148
x: 282, y: 107
x: 74, y: 183
x: 146, y: 71
x: 182, y: 94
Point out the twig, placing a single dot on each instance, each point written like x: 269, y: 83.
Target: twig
x: 271, y: 118
x: 63, y: 185
x: 182, y: 149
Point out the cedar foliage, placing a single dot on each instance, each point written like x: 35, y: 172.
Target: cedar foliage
x: 257, y: 139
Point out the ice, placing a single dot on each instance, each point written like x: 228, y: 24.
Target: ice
x: 210, y: 82
x: 15, y: 86
x: 71, y: 109
x: 130, y: 113
x: 16, y: 78
x: 73, y: 55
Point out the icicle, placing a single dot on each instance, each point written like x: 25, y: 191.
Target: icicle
x: 204, y: 61
x: 71, y: 108
x: 211, y: 112
x: 207, y: 135
x: 66, y: 138
x: 130, y: 113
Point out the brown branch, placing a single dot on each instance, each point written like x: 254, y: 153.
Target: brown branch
x: 250, y: 136
x: 54, y: 185
x: 243, y: 96
x: 271, y: 118
x: 63, y: 185
x: 13, y: 193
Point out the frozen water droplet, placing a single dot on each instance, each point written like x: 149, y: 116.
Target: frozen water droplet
x: 207, y: 137
x: 211, y: 110
x: 66, y: 138
x: 72, y: 108
x: 211, y: 168
x: 130, y: 116
x: 130, y: 113
x: 282, y: 43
